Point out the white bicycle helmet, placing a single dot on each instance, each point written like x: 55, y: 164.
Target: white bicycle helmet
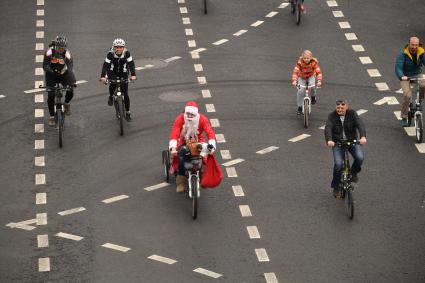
x: 118, y: 42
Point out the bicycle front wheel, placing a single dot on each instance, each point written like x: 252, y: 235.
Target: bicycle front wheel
x: 59, y: 123
x: 194, y: 185
x: 120, y: 114
x: 166, y: 164
x: 419, y: 128
x: 350, y: 203
x: 306, y: 112
x: 298, y: 12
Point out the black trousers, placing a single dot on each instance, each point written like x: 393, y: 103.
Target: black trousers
x: 124, y: 91
x: 67, y: 79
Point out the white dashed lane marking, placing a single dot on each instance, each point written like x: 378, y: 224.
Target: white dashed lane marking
x: 221, y: 41
x: 215, y: 123
x: 42, y: 241
x: 358, y: 48
x: 69, y: 236
x: 210, y: 108
x: 225, y: 154
x: 338, y: 14
x: 410, y: 131
x: 39, y: 23
x: 283, y: 5
x: 420, y: 147
x: 399, y: 91
x: 365, y: 60
x: 188, y: 32
x: 382, y: 86
x: 39, y: 128
x: 361, y: 111
x: 257, y: 23
x: 71, y: 211
x: 220, y: 138
x: 253, y: 232
x: 186, y: 21
x: 44, y: 264
x: 322, y: 127
x: 39, y: 46
x: 116, y: 247
x: 155, y: 187
x: 39, y: 144
x: 397, y: 115
x: 40, y: 12
x: 183, y: 10
x: 39, y: 34
x: 198, y: 67
x: 206, y: 93
x: 40, y: 2
x: 114, y: 199
x: 233, y: 162
x: 2, y: 96
x: 239, y: 33
x: 41, y: 219
x: 262, y: 255
x: 238, y: 191
x: 202, y: 80
x: 207, y: 272
x: 40, y: 198
x: 271, y: 14
x: 168, y: 60
x: 373, y: 73
x: 39, y: 161
x: 390, y: 100
x: 231, y: 172
x: 299, y: 138
x: 191, y: 43
x: 332, y: 3
x: 37, y: 84
x: 245, y: 211
x: 40, y: 179
x: 270, y: 277
x: 25, y: 225
x: 351, y: 36
x: 162, y: 259
x: 39, y: 71
x: 267, y: 150
x: 38, y: 98
x: 38, y: 113
x: 344, y: 25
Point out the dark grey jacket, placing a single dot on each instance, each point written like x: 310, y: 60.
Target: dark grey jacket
x: 352, y: 124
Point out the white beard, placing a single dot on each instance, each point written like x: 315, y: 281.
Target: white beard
x: 190, y: 128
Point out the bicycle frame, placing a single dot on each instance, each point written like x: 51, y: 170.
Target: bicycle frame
x: 306, y: 90
x: 196, y: 166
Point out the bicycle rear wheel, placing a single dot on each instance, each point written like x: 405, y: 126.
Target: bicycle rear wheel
x: 419, y: 128
x: 409, y: 115
x: 166, y: 164
x: 350, y: 203
x: 306, y: 112
x: 205, y: 7
x: 298, y: 12
x: 120, y: 113
x: 194, y: 185
x: 59, y: 123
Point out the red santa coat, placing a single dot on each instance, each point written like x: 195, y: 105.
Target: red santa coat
x: 177, y: 139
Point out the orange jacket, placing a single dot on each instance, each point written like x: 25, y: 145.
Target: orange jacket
x: 305, y: 71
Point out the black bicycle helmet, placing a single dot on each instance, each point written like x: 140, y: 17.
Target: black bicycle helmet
x: 61, y: 41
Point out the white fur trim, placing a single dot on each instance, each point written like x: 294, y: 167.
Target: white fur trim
x: 173, y: 143
x: 191, y: 109
x: 212, y: 142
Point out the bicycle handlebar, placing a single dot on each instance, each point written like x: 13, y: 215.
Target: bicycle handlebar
x: 347, y: 143
x: 416, y: 80
x: 61, y: 88
x: 109, y: 81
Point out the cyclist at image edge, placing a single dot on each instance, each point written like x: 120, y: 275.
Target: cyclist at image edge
x: 118, y: 63
x: 343, y: 124
x: 58, y: 68
x: 306, y: 69
x: 189, y: 126
x: 408, y: 65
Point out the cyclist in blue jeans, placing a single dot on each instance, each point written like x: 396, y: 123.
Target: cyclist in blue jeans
x: 343, y: 124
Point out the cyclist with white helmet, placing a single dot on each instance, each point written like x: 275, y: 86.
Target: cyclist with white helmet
x: 118, y: 64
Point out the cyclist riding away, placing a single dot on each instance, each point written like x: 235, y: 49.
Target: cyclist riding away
x: 58, y: 68
x: 409, y: 65
x: 306, y: 70
x: 343, y: 124
x: 189, y: 127
x: 118, y: 63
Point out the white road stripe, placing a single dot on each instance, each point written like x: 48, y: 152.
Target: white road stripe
x: 41, y: 219
x: 270, y: 277
x: 399, y: 91
x: 180, y: 1
x: 168, y: 60
x: 358, y: 48
x: 2, y: 96
x: 239, y: 33
x: 397, y: 115
x: 365, y: 60
x: 39, y: 128
x: 210, y: 108
x: 188, y: 31
x: 338, y: 14
x: 271, y: 14
x: 245, y: 211
x: 25, y: 225
x: 44, y: 264
x: 382, y: 86
x: 40, y: 179
x: 198, y: 67
x: 116, y: 247
x: 262, y: 255
x: 257, y: 23
x: 162, y: 259
x: 114, y: 199
x: 221, y: 41
x: 231, y: 172
x: 155, y: 187
x: 225, y: 154
x: 69, y: 236
x: 39, y: 46
x: 238, y: 191
x: 149, y: 66
x: 361, y: 111
x: 391, y: 100
x: 207, y: 272
x: 233, y: 162
x: 39, y: 161
x: 299, y: 138
x: 40, y: 12
x: 253, y: 232
x: 283, y: 5
x: 39, y: 58
x: 202, y: 80
x: 39, y: 71
x: 351, y: 36
x: 215, y: 123
x: 199, y: 50
x: 71, y: 211
x: 37, y: 85
x: 39, y: 34
x: 373, y: 73
x: 420, y: 147
x: 322, y: 127
x: 191, y: 43
x: 40, y: 2
x: 40, y: 198
x: 43, y: 241
x: 38, y: 98
x: 39, y: 23
x: 194, y: 55
x: 220, y: 138
x: 183, y: 10
x: 410, y: 131
x: 267, y: 150
x: 344, y: 25
x: 332, y: 3
x: 206, y: 93
x: 186, y: 21
x: 139, y: 68
x: 38, y: 113
x: 39, y: 144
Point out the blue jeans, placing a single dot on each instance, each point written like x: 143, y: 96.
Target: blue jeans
x: 338, y: 152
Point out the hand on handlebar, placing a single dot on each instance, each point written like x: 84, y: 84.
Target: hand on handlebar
x: 103, y: 80
x: 319, y: 84
x: 404, y: 78
x: 173, y: 151
x: 294, y: 83
x: 211, y: 149
x: 133, y: 78
x: 331, y: 143
x: 362, y: 140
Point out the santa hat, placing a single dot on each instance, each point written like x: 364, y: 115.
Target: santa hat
x: 191, y: 107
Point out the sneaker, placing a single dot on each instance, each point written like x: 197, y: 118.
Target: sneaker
x: 354, y: 178
x: 299, y: 110
x: 128, y: 116
x: 52, y: 121
x: 110, y: 103
x: 336, y: 193
x: 404, y: 122
x: 313, y: 99
x: 67, y: 109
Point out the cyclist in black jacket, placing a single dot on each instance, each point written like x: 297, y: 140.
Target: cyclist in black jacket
x: 58, y: 66
x: 118, y: 64
x: 343, y: 124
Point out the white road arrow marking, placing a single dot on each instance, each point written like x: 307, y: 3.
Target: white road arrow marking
x: 390, y: 100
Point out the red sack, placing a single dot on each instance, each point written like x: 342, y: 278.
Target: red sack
x: 212, y: 175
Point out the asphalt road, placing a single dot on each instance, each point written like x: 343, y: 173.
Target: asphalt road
x: 273, y: 218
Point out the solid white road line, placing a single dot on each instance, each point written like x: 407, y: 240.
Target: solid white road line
x: 221, y: 41
x: 162, y: 259
x: 253, y: 232
x: 40, y: 12
x: 210, y: 108
x: 202, y: 80
x: 270, y: 277
x: 397, y: 115
x: 215, y: 123
x: 168, y: 60
x: 183, y: 10
x: 69, y: 236
x: 299, y: 138
x: 238, y: 191
x: 39, y: 161
x: 44, y: 264
x: 207, y: 272
x: 262, y: 255
x: 382, y: 86
x: 239, y: 33
x: 267, y: 150
x: 40, y: 179
x: 206, y: 93
x: 373, y: 73
x: 39, y: 144
x: 39, y: 23
x: 245, y: 211
x: 114, y: 199
x: 420, y: 147
x: 410, y: 131
x: 198, y: 67
x: 39, y: 128
x: 225, y: 154
x: 361, y: 111
x: 116, y: 247
x: 155, y: 187
x: 338, y: 14
x: 233, y: 162
x: 271, y: 14
x: 40, y: 198
x: 351, y: 36
x: 41, y: 219
x: 391, y: 100
x: 231, y: 172
x: 358, y: 48
x: 71, y: 211
x: 38, y: 113
x: 365, y: 60
x: 220, y: 138
x: 344, y: 25
x: 186, y: 21
x: 38, y: 98
x: 257, y: 23
x: 332, y: 3
x: 42, y: 241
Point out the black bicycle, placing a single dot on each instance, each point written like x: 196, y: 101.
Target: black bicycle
x: 118, y: 100
x: 59, y: 107
x: 415, y: 112
x: 296, y: 10
x: 346, y: 186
